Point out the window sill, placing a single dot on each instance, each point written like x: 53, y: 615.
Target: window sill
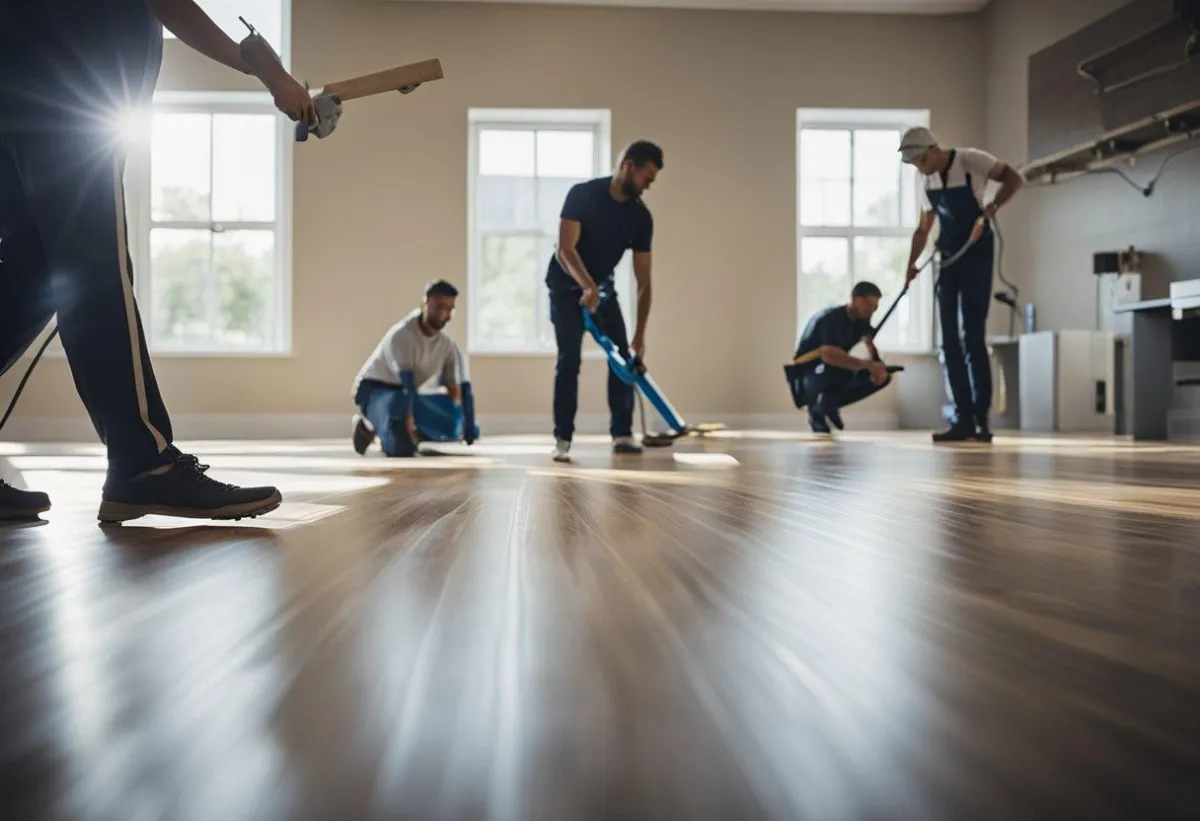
x: 491, y: 353
x: 178, y: 354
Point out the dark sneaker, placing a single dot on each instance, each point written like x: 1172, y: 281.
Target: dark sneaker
x: 834, y: 415
x: 16, y: 505
x: 983, y: 432
x: 956, y: 433
x: 363, y: 434
x: 625, y: 444
x: 182, y: 489
x: 817, y: 422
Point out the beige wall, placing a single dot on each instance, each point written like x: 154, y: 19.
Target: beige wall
x: 1052, y: 232
x: 381, y: 207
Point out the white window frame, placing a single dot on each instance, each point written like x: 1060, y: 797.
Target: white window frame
x: 921, y: 291
x: 599, y: 122
x: 137, y: 205
x: 140, y: 222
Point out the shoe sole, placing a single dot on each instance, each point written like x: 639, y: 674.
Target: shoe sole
x: 118, y: 512
x: 20, y: 515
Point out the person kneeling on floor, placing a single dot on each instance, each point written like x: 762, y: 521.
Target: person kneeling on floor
x: 391, y: 404
x: 824, y: 376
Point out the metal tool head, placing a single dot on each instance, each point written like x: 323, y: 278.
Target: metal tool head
x: 329, y: 111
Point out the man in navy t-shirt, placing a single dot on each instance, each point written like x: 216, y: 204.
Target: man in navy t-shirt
x: 827, y: 377
x: 70, y: 72
x: 601, y: 219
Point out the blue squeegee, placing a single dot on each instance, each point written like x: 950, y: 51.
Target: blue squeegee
x: 633, y: 372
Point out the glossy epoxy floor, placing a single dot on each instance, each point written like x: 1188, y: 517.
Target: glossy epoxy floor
x: 756, y: 626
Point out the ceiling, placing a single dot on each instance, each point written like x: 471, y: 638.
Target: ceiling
x: 842, y: 6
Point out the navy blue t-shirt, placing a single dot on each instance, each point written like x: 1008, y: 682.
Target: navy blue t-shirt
x: 608, y: 229
x: 832, y: 326
x: 75, y: 63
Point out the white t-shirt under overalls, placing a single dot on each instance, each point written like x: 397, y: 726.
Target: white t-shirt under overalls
x: 973, y: 161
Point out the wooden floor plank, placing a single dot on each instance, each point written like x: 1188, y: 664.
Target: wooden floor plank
x: 749, y: 627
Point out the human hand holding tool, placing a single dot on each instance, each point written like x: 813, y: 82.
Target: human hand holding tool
x: 878, y: 371
x: 591, y: 297
x: 328, y: 102
x: 638, y: 347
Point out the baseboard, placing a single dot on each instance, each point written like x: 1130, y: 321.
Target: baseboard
x: 265, y: 426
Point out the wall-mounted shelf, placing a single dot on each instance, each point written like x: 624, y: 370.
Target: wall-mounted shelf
x: 1142, y: 137
x: 1167, y: 38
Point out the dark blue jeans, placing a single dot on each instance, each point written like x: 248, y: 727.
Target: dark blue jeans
x: 965, y: 289
x: 568, y: 333
x: 836, y: 388
x: 63, y: 250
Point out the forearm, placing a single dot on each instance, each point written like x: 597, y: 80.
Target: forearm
x: 840, y: 359
x: 194, y: 28
x: 455, y: 393
x: 644, y: 298
x: 1008, y: 189
x: 920, y: 238
x: 573, y: 263
x: 410, y: 390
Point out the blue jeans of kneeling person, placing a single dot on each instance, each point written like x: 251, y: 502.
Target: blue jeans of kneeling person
x: 827, y: 389
x: 436, y: 416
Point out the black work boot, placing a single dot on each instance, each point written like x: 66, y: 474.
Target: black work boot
x: 363, y: 434
x: 983, y: 431
x: 181, y: 489
x: 817, y: 422
x: 958, y: 432
x: 18, y: 505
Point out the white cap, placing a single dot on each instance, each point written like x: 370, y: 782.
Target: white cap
x: 915, y: 142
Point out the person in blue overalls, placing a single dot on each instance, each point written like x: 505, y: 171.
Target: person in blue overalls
x: 955, y: 183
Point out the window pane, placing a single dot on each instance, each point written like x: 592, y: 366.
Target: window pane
x: 508, y: 285
x: 551, y: 193
x: 876, y: 178
x: 824, y: 177
x: 824, y: 274
x: 506, y: 153
x: 244, y: 167
x: 265, y: 15
x: 568, y: 154
x: 883, y: 260
x: 180, y: 159
x: 506, y: 203
x: 181, y: 265
x: 244, y: 263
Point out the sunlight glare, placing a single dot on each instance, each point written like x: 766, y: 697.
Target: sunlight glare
x: 133, y: 128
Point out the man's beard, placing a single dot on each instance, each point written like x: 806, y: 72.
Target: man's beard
x: 628, y: 188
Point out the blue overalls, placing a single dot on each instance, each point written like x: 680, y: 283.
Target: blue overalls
x: 966, y: 287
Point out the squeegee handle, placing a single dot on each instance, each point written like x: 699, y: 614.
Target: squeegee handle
x: 890, y: 309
